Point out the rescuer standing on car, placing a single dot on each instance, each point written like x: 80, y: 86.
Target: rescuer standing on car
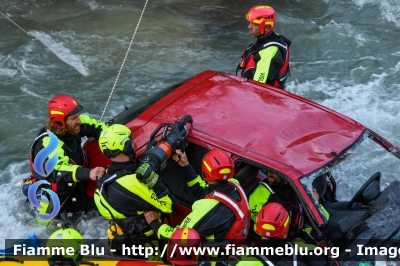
x: 68, y: 124
x: 266, y: 60
x: 221, y: 211
x: 122, y: 198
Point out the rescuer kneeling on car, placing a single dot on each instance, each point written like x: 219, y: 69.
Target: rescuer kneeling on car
x: 221, y: 211
x: 122, y: 197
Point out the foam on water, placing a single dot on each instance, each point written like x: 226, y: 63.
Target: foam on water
x: 18, y: 220
x: 7, y: 72
x: 98, y: 5
x: 92, y: 4
x: 15, y: 219
x: 25, y: 89
x: 60, y: 51
x: 370, y: 104
x: 8, y: 66
x: 362, y: 102
x: 390, y: 9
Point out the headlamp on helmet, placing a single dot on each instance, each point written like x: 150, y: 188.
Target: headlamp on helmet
x: 217, y: 165
x: 116, y: 139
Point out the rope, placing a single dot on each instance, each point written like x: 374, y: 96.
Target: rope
x: 123, y: 62
x: 14, y: 23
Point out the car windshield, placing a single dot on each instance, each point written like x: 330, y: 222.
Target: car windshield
x: 345, y: 176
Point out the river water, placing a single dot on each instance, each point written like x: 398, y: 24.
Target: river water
x: 344, y: 55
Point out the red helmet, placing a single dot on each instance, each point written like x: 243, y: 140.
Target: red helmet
x: 273, y: 221
x: 60, y: 107
x: 217, y: 165
x: 262, y: 15
x: 183, y: 238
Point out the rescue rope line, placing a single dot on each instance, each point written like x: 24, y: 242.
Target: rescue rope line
x: 14, y: 23
x: 123, y: 62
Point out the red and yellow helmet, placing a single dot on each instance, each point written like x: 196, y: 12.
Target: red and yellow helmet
x: 263, y: 16
x: 60, y: 107
x: 273, y: 221
x: 183, y: 238
x: 217, y: 165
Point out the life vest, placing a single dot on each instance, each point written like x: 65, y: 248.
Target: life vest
x: 248, y: 63
x: 35, y: 176
x: 70, y: 194
x: 239, y: 230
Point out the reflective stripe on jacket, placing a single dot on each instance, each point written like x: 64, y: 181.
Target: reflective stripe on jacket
x: 71, y: 157
x: 267, y: 60
x: 125, y: 196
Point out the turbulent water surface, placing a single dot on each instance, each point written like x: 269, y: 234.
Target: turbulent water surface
x: 345, y: 55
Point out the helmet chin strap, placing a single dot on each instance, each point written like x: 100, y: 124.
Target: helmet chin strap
x: 264, y: 35
x: 129, y: 150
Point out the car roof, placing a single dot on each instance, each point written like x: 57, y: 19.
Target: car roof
x: 256, y: 121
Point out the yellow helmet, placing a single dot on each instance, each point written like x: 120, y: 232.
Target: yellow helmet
x: 60, y: 242
x: 116, y: 139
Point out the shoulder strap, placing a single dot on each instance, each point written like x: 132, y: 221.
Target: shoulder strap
x: 241, y: 192
x: 266, y: 186
x: 252, y: 49
x: 112, y: 178
x: 264, y: 260
x: 273, y: 197
x: 228, y: 201
x: 286, y: 40
x: 36, y: 140
x: 280, y: 45
x: 31, y: 157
